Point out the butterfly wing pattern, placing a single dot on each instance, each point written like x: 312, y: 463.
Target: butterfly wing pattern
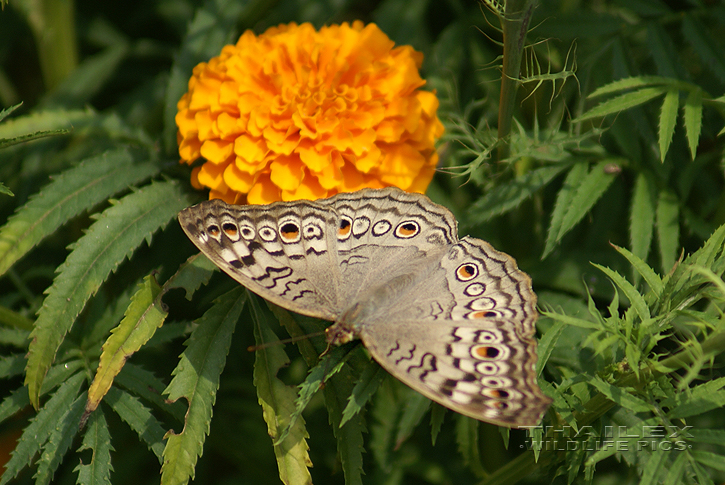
x: 453, y: 319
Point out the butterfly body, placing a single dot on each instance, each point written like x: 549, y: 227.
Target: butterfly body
x: 453, y: 319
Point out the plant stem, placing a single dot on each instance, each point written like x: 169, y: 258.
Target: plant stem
x: 515, y: 24
x: 53, y: 26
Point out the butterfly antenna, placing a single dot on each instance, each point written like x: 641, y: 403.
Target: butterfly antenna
x: 290, y: 340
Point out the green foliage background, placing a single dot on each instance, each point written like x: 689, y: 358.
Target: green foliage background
x: 583, y: 138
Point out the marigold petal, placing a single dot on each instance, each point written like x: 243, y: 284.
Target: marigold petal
x: 308, y: 113
x: 263, y: 191
x: 314, y: 157
x: 238, y: 180
x: 310, y: 189
x: 250, y: 149
x: 216, y: 151
x: 286, y: 173
x: 400, y: 165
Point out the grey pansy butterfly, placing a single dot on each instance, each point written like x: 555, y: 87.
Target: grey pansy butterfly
x: 453, y: 319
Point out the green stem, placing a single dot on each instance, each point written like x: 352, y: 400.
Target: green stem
x: 515, y: 24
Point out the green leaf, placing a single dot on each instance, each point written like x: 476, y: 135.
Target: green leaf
x: 636, y: 300
x: 668, y: 228
x: 704, y: 46
x: 47, y: 121
x: 621, y: 103
x: 118, y: 231
x: 19, y: 399
x: 364, y: 389
x: 654, y: 467
x: 467, y: 440
x: 278, y: 405
x: 692, y: 117
x: 59, y: 441
x: 11, y: 365
x: 196, y: 379
x: 350, y: 443
x: 709, y: 459
x: 702, y: 398
x: 590, y: 188
x: 633, y: 83
x: 5, y: 190
x: 97, y: 439
x: 139, y: 418
x: 195, y: 272
x: 416, y: 406
x: 619, y: 396
x: 144, y: 384
x: 508, y: 196
x: 70, y: 193
x: 42, y: 426
x: 14, y: 319
x: 708, y: 436
x: 668, y: 119
x: 642, y: 217
x: 674, y: 474
x: 642, y: 269
x: 143, y: 316
x: 563, y: 204
x: 546, y: 345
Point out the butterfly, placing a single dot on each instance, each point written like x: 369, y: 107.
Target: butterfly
x: 452, y: 318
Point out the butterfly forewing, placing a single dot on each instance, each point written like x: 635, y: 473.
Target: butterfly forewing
x: 452, y: 319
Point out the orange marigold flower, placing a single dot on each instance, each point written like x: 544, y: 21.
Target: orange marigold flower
x: 297, y: 113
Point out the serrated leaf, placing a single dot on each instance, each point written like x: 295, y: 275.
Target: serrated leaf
x: 642, y: 269
x: 15, y: 337
x: 143, y: 316
x: 654, y: 467
x: 196, y: 379
x: 508, y: 196
x: 350, y: 443
x: 49, y: 120
x: 98, y: 440
x: 546, y: 346
x: 642, y: 217
x: 702, y: 398
x: 709, y: 459
x: 619, y: 396
x: 591, y: 187
x: 42, y: 426
x: 70, y: 193
x: 697, y: 35
x: 7, y: 111
x: 632, y: 83
x: 14, y: 319
x: 635, y: 299
x: 416, y: 406
x: 707, y: 436
x: 668, y: 228
x: 467, y: 440
x: 19, y: 399
x: 139, y: 419
x: 144, y: 384
x: 11, y: 365
x: 621, y: 103
x: 674, y: 474
x: 4, y: 188
x: 328, y: 366
x: 278, y: 406
x: 364, y: 389
x: 563, y: 203
x: 668, y: 119
x: 59, y: 441
x: 692, y: 118
x: 195, y: 272
x: 118, y: 231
